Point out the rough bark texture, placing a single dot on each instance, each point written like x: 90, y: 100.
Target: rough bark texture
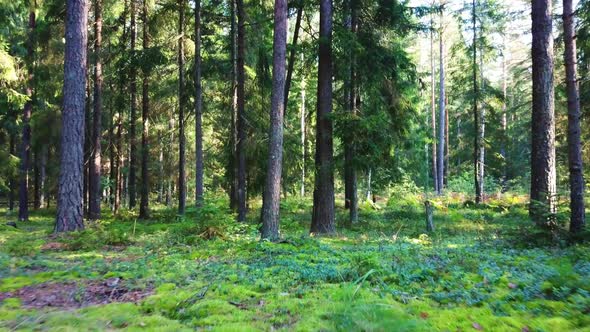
x: 94, y: 190
x: 69, y: 205
x: 131, y: 187
x: 441, y: 108
x: 576, y: 176
x: 272, y: 189
x: 25, y: 148
x: 241, y: 114
x: 198, y: 109
x: 543, y: 174
x: 323, y: 194
x: 181, y: 104
x: 144, y: 211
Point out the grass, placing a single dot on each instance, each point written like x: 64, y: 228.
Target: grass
x: 479, y: 270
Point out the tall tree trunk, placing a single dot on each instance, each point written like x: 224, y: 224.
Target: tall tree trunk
x: 303, y: 128
x: 145, y: 111
x: 432, y: 106
x: 323, y: 195
x: 272, y: 189
x: 181, y: 102
x: 476, y: 119
x: 198, y: 109
x: 69, y: 206
x: 233, y: 160
x: 349, y: 150
x: 576, y: 176
x: 447, y: 151
x: 543, y: 204
x: 112, y: 155
x: 240, y: 121
x: 293, y: 52
x: 94, y: 189
x: 441, y: 106
x: 25, y: 153
x: 504, y: 122
x: 131, y: 187
x: 482, y: 130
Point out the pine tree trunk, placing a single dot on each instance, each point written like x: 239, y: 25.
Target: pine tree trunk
x: 482, y: 130
x: 94, y: 188
x: 504, y: 123
x: 323, y: 195
x: 543, y: 204
x: 476, y: 119
x: 25, y: 148
x: 441, y: 105
x: 240, y: 121
x: 42, y: 175
x: 576, y: 176
x: 433, y: 107
x: 36, y: 179
x: 349, y: 150
x: 69, y: 206
x: 272, y: 189
x: 181, y: 104
x: 292, y: 53
x: 131, y: 177
x: 161, y: 169
x: 198, y: 109
x: 144, y: 212
x: 12, y: 181
x: 303, y: 128
x: 233, y: 160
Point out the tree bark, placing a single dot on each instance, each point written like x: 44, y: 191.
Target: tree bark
x: 504, y: 122
x: 240, y: 121
x: 482, y: 130
x: 94, y: 187
x: 576, y: 176
x: 181, y: 104
x: 323, y: 196
x: 433, y: 107
x: 198, y: 109
x: 349, y: 149
x: 25, y: 153
x: 543, y: 204
x: 144, y: 211
x: 12, y: 181
x: 292, y: 53
x: 70, y: 209
x: 442, y: 110
x: 131, y: 177
x: 303, y: 128
x: 476, y: 118
x: 233, y: 160
x: 272, y: 190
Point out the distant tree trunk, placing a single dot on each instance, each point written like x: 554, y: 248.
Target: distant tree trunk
x: 198, y: 109
x: 272, y: 189
x: 87, y: 136
x: 181, y: 102
x: 447, y: 151
x: 36, y: 179
x: 94, y: 188
x: 233, y: 160
x: 303, y: 128
x: 42, y: 175
x: 161, y: 169
x: 543, y: 204
x: 144, y: 211
x: 69, y: 206
x: 240, y: 122
x: 504, y: 123
x: 25, y: 154
x: 112, y: 157
x: 293, y: 52
x: 576, y: 176
x: 369, y: 190
x: 442, y: 111
x: 476, y: 119
x: 433, y: 107
x: 482, y: 130
x: 12, y: 182
x: 131, y: 187
x: 349, y: 150
x: 323, y: 195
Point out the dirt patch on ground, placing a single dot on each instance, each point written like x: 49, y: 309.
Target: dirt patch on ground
x: 71, y: 294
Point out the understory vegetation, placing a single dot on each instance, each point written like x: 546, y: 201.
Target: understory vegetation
x: 484, y: 267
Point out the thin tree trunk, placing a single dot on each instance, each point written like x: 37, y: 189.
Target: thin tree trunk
x: 323, y: 195
x: 198, y: 109
x: 42, y: 175
x: 12, y: 182
x: 302, y: 123
x: 69, y: 206
x: 240, y: 122
x: 433, y: 107
x: 272, y: 190
x: 482, y: 130
x: 25, y: 153
x: 476, y: 119
x: 36, y: 179
x: 94, y: 189
x: 233, y: 160
x: 442, y: 111
x: 131, y: 187
x: 576, y: 176
x: 144, y: 211
x: 447, y: 151
x: 350, y: 172
x: 181, y: 101
x: 504, y: 123
x: 369, y: 191
x: 161, y: 169
x: 543, y: 204
x: 293, y: 52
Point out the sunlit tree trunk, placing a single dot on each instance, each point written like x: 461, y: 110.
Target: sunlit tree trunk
x: 198, y: 108
x: 576, y: 176
x: 94, y: 187
x: 432, y: 105
x: 131, y: 177
x: 441, y: 107
x: 233, y: 160
x: 181, y: 104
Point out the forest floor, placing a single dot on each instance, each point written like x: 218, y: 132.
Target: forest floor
x: 483, y: 268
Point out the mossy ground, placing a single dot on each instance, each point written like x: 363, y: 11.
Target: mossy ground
x: 480, y: 270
